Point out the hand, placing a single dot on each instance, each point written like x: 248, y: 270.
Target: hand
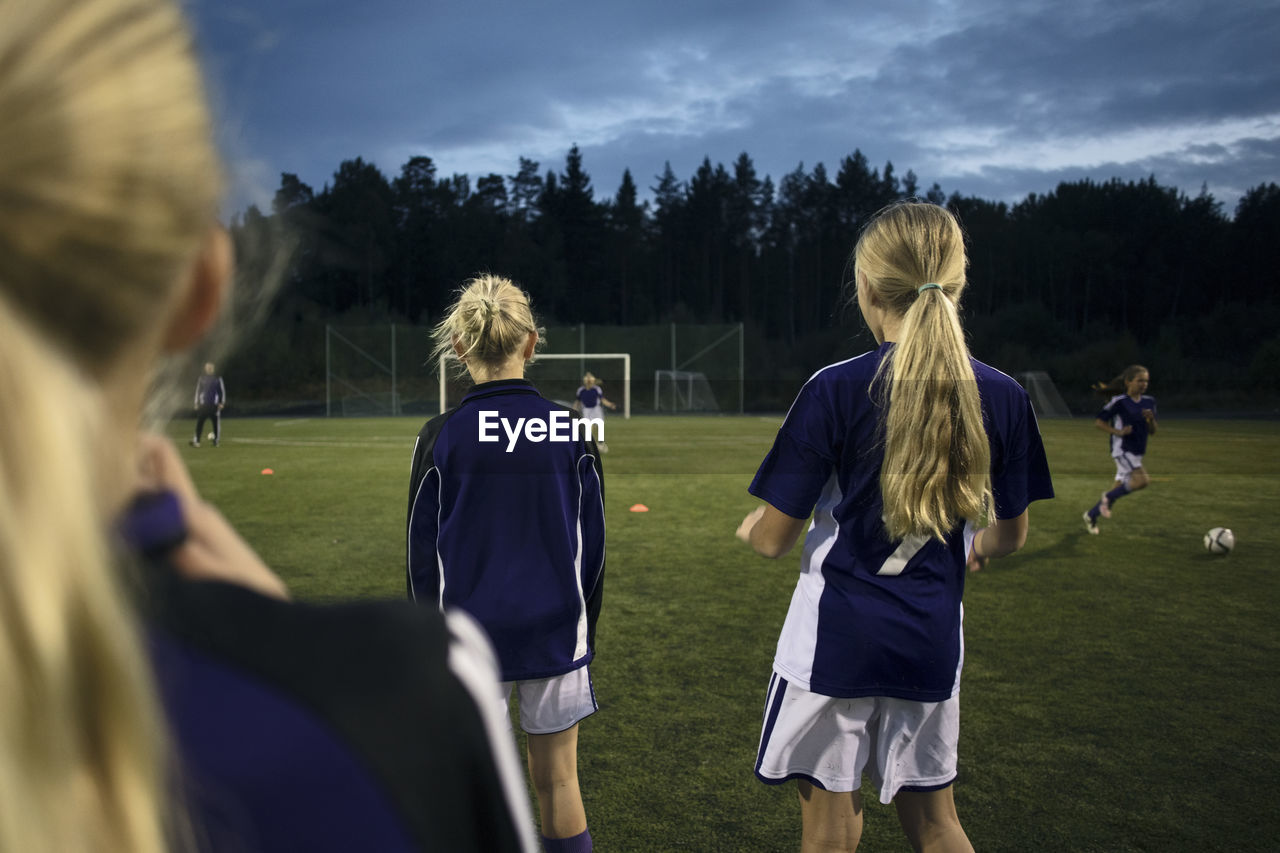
x: 1148, y: 415
x: 748, y: 523
x: 1124, y: 430
x: 212, y: 550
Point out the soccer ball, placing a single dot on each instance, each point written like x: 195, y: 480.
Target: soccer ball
x: 211, y: 436
x: 1220, y: 540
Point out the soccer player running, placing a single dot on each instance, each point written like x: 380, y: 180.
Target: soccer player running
x: 211, y: 396
x: 1129, y: 416
x: 897, y: 453
x: 506, y: 522
x: 590, y: 403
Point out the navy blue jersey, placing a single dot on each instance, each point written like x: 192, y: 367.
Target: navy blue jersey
x: 324, y: 728
x: 871, y: 616
x: 1122, y: 411
x: 506, y: 521
x: 590, y: 397
x: 210, y: 391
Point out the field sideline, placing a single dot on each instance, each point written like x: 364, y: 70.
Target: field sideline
x: 1120, y: 691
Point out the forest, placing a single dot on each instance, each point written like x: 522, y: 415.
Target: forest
x: 1078, y: 281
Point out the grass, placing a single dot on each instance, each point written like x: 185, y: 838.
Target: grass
x: 1120, y: 691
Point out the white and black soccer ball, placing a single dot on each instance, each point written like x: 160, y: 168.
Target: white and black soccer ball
x: 211, y: 436
x: 1219, y: 540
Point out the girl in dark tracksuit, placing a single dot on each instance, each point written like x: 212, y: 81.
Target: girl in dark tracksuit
x: 506, y: 522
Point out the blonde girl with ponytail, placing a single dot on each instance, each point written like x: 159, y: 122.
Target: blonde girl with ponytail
x: 899, y: 456
x: 108, y: 186
x: 506, y: 523
x: 148, y: 659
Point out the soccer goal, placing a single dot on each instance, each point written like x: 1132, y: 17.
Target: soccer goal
x: 1045, y: 398
x: 682, y: 391
x: 366, y: 382
x: 558, y: 376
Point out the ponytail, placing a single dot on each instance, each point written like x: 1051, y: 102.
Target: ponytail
x: 81, y: 754
x: 937, y: 460
x: 1120, y: 383
x: 488, y: 322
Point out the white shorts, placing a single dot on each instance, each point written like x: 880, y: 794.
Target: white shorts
x: 550, y: 705
x: 829, y: 742
x: 1126, y: 464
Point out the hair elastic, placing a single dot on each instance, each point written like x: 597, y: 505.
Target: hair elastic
x: 925, y: 287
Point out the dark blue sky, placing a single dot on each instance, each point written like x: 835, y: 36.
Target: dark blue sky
x: 986, y: 97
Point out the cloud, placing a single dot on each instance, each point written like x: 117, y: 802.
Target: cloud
x: 970, y: 93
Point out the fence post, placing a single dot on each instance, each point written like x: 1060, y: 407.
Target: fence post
x: 395, y: 400
x: 742, y: 372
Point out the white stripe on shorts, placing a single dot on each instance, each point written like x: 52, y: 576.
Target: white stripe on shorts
x: 1126, y: 464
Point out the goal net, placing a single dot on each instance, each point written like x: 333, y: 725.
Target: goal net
x: 682, y: 391
x: 1045, y: 398
x: 558, y: 377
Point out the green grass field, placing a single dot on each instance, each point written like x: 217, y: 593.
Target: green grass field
x: 1120, y: 691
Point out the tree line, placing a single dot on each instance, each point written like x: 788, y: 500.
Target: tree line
x: 1076, y: 280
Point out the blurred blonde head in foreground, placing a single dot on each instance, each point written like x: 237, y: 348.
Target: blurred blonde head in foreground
x: 109, y: 187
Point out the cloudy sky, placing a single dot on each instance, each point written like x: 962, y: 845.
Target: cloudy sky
x: 994, y: 98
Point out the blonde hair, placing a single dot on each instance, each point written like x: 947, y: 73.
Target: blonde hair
x: 81, y: 757
x: 937, y: 461
x: 109, y: 182
x: 107, y: 168
x: 489, y: 321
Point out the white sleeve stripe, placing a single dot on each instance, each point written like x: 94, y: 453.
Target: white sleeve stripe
x: 439, y: 556
x: 408, y: 536
x: 472, y: 660
x: 580, y: 648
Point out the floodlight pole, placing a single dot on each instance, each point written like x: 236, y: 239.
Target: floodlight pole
x: 328, y: 373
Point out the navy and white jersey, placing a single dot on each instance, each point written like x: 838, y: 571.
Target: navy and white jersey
x: 511, y: 529
x: 210, y: 391
x: 1121, y: 411
x: 871, y: 616
x: 590, y: 397
x: 298, y: 727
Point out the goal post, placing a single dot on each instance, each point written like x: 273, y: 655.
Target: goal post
x: 561, y: 385
x: 368, y: 384
x: 1046, y: 400
x: 683, y: 391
